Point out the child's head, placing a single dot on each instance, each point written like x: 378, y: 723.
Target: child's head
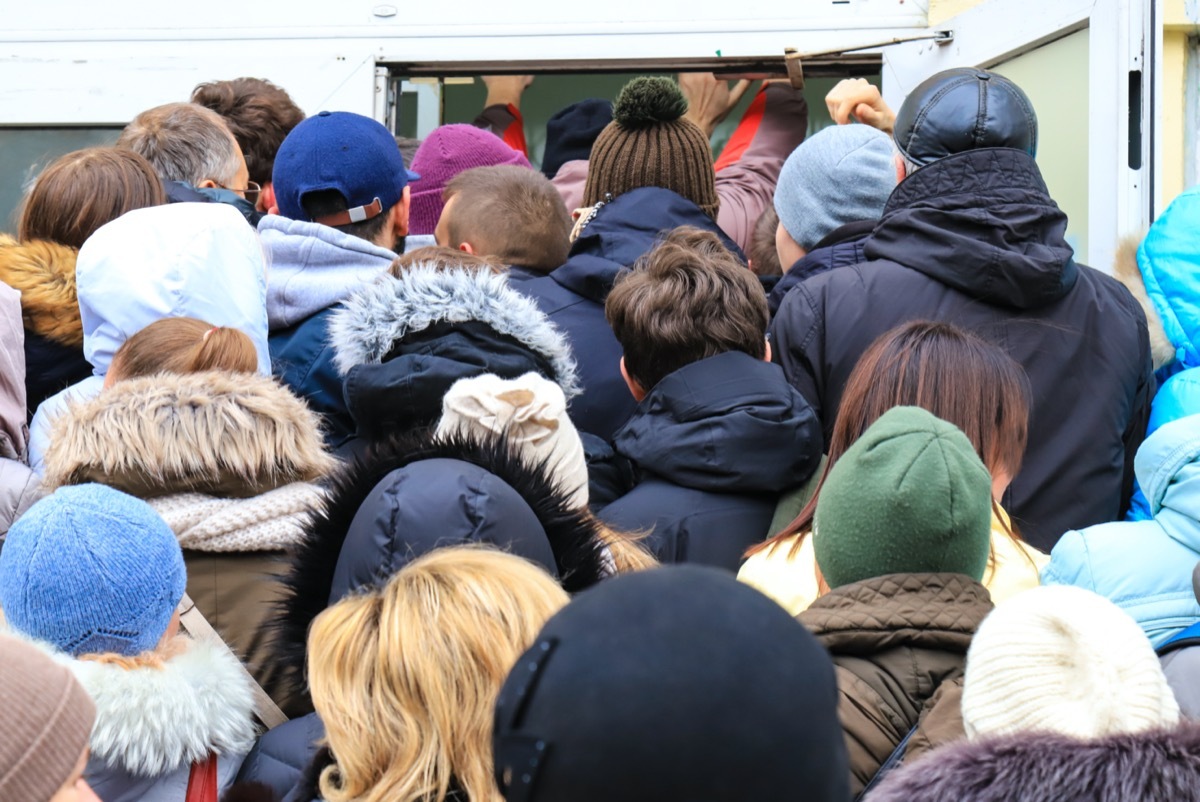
x: 182, y: 345
x: 909, y: 496
x: 686, y: 300
x: 91, y: 570
x: 405, y: 677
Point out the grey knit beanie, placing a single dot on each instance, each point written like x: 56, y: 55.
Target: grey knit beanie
x: 45, y: 719
x: 839, y: 175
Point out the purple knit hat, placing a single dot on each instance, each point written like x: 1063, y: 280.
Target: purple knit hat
x: 445, y: 153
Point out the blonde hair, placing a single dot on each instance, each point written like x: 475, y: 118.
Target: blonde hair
x: 405, y: 677
x: 184, y: 345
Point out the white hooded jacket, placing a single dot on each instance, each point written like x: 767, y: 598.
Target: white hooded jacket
x: 196, y: 260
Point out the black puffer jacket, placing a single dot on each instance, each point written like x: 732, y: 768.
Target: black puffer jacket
x: 407, y: 497
x: 974, y: 239
x: 716, y: 443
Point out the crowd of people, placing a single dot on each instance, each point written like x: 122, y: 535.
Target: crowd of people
x: 336, y: 467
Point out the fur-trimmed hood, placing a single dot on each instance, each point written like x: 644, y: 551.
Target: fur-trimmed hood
x: 1164, y: 277
x: 386, y: 509
x: 1125, y: 270
x: 1160, y: 766
x: 44, y: 273
x: 157, y: 713
x: 375, y: 318
x: 227, y: 435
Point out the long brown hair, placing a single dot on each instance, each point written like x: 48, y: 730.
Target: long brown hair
x: 85, y: 189
x: 184, y: 345
x: 946, y: 370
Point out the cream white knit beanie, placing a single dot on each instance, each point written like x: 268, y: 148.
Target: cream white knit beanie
x: 532, y: 411
x: 1063, y: 659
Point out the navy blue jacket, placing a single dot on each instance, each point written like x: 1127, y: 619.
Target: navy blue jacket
x: 842, y: 247
x: 302, y: 360
x: 716, y: 442
x: 280, y: 756
x: 573, y: 295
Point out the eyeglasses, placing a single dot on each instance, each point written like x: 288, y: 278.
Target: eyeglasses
x: 250, y: 192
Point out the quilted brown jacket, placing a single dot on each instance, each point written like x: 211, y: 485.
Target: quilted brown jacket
x: 899, y: 644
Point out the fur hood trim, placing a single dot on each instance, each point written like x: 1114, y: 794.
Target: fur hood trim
x: 1157, y: 766
x: 227, y: 435
x: 154, y: 717
x: 375, y: 317
x: 44, y: 273
x: 1126, y: 271
x: 575, y: 536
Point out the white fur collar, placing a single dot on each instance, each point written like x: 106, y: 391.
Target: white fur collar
x: 151, y: 721
x: 371, y: 320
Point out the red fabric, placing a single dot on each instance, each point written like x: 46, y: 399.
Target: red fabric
x: 743, y: 135
x: 202, y: 781
x: 514, y: 134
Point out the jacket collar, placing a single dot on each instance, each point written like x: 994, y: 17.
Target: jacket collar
x: 621, y: 231
x: 371, y: 321
x: 697, y: 426
x: 156, y: 715
x: 983, y: 223
x: 218, y: 433
x: 44, y: 273
x: 940, y: 611
x: 1035, y: 766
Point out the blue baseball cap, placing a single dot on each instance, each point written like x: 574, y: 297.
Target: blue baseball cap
x: 349, y: 153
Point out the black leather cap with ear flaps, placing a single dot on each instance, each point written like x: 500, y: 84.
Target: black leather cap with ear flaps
x: 964, y: 109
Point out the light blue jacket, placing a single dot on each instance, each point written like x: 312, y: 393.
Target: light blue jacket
x: 1177, y: 398
x: 1169, y: 261
x: 1145, y: 567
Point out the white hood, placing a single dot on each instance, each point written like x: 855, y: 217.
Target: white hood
x: 197, y: 260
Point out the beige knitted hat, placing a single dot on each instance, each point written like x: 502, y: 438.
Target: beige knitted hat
x: 45, y: 721
x: 532, y: 411
x: 1063, y: 659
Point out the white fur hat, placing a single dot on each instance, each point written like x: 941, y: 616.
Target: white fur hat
x: 1063, y: 659
x: 532, y: 411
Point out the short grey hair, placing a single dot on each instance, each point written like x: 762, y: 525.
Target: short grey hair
x: 185, y: 142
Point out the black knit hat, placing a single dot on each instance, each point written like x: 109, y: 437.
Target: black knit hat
x: 964, y: 109
x: 649, y: 143
x: 678, y: 683
x: 571, y: 132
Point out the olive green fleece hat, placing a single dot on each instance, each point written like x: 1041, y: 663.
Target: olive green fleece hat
x: 910, y: 496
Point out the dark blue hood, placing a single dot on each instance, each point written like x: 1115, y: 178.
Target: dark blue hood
x: 622, y: 231
x: 728, y: 424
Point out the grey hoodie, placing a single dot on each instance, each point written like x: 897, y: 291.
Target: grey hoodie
x: 311, y: 267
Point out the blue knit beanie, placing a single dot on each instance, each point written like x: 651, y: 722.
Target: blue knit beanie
x: 841, y: 174
x: 91, y: 570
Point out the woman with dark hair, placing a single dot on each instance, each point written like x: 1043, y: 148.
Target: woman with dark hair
x: 959, y: 378
x: 77, y: 194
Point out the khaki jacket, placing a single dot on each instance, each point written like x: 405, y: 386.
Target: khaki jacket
x: 896, y: 642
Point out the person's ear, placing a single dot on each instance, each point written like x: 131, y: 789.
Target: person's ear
x: 207, y: 183
x: 466, y: 247
x: 767, y: 354
x: 634, y: 388
x: 901, y: 171
x: 400, y: 214
x: 266, y: 200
